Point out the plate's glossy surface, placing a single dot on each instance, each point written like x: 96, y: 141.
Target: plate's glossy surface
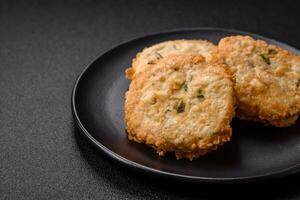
x: 255, y: 152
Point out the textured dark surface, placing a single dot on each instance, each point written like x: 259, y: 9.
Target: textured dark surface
x: 45, y: 45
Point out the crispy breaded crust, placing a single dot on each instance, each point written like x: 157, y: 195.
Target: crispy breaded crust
x: 181, y: 104
x: 267, y: 79
x: 151, y: 54
x: 277, y: 122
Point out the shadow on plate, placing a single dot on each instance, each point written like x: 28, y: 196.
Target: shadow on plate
x: 262, y: 133
x: 140, y: 184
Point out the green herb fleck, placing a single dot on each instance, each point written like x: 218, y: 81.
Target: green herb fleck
x: 272, y: 51
x: 265, y: 58
x: 200, y: 95
x: 185, y: 87
x: 178, y: 84
x: 158, y: 55
x: 168, y: 110
x: 180, y: 107
x: 298, y: 83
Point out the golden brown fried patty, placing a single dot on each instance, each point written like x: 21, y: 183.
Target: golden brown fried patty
x: 181, y: 104
x: 267, y: 80
x: 151, y: 54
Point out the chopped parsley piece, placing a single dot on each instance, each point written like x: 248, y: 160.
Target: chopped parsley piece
x: 185, y: 87
x: 265, y: 58
x: 180, y: 107
x: 272, y: 52
x: 200, y: 96
x: 168, y: 110
x: 178, y: 84
x: 158, y: 55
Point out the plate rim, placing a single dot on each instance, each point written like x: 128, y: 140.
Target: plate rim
x: 201, y: 179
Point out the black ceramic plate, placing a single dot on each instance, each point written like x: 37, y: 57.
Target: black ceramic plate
x: 255, y: 152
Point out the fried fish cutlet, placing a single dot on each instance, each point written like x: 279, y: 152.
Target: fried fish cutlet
x: 181, y: 104
x: 267, y: 80
x: 149, y: 55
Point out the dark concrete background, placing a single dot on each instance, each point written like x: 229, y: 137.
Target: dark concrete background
x: 44, y: 45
